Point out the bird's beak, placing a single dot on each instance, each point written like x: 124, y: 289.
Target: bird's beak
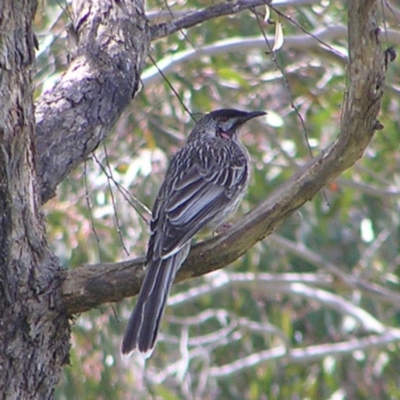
x: 248, y: 116
x: 253, y: 114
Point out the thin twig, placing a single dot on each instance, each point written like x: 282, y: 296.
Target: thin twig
x: 121, y: 239
x: 89, y: 207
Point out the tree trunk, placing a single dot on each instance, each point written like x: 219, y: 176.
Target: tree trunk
x: 71, y: 120
x: 34, y: 329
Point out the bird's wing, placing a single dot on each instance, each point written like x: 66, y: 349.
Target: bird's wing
x: 194, y: 200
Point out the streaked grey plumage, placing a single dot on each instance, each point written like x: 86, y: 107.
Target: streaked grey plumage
x: 204, y: 183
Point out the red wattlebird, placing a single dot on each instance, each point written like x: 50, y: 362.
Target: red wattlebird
x: 204, y: 184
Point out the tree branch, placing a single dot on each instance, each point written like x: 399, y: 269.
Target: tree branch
x: 89, y: 286
x: 198, y: 17
x: 297, y: 42
x: 307, y: 354
x: 80, y: 110
x: 356, y: 282
x: 265, y: 283
x: 172, y: 13
x: 192, y: 18
x: 303, y: 285
x: 302, y: 42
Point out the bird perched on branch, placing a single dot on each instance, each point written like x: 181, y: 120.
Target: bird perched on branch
x: 204, y: 183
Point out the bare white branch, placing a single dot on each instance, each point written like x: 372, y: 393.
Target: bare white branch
x: 299, y: 42
x: 370, y: 289
x: 307, y: 354
x: 262, y: 284
x: 220, y: 280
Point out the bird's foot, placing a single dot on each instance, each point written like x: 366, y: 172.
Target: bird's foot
x: 223, y: 228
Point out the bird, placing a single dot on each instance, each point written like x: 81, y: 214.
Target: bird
x: 204, y: 183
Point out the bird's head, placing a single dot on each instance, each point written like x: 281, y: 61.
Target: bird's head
x: 223, y: 123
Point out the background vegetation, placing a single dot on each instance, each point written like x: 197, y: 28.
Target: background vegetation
x: 310, y: 313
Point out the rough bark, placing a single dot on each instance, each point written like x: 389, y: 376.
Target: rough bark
x: 112, y: 41
x: 34, y: 329
x: 366, y: 72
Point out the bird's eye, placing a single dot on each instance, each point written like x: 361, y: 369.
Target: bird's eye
x: 223, y: 123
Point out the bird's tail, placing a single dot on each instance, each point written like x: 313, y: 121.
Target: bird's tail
x: 145, y: 319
